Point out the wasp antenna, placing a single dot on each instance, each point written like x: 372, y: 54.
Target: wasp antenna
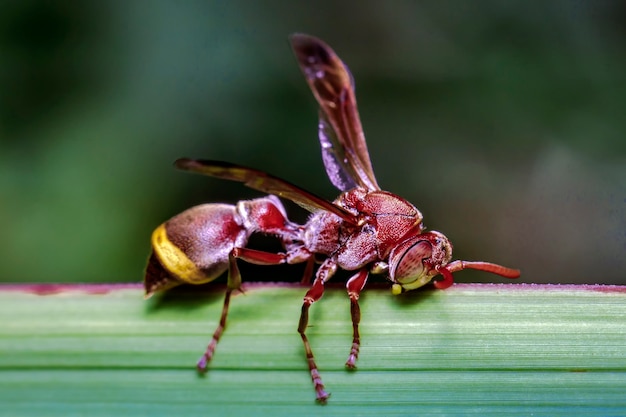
x: 483, y: 266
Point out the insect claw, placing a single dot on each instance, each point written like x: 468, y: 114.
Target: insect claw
x: 204, y: 360
x: 354, y: 355
x: 202, y: 364
x: 321, y: 395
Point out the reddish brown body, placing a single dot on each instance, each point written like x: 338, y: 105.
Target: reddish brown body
x: 384, y: 220
x: 365, y: 229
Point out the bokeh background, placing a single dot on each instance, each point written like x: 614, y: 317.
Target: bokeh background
x: 503, y: 121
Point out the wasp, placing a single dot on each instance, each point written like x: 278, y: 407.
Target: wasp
x: 366, y: 229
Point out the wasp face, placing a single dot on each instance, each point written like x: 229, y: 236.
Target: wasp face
x: 415, y: 261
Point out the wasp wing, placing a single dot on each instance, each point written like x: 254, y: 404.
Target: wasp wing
x: 340, y: 174
x: 344, y: 150
x: 264, y: 182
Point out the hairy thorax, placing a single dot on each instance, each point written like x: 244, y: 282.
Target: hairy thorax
x: 383, y: 220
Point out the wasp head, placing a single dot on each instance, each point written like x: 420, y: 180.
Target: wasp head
x: 417, y: 260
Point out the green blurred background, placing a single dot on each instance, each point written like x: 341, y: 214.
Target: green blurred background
x: 503, y: 121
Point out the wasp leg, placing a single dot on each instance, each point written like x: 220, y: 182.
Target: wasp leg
x: 354, y: 287
x: 308, y: 271
x: 258, y: 257
x: 326, y: 270
x: 234, y: 283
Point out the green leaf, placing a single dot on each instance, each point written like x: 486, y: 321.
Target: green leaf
x: 471, y: 349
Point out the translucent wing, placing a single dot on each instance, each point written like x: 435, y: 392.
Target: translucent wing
x: 262, y: 181
x: 341, y: 175
x: 344, y: 150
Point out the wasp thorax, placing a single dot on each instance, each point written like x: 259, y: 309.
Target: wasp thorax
x: 413, y: 262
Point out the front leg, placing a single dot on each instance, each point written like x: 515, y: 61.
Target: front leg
x: 354, y: 287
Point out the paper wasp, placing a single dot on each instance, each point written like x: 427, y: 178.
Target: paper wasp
x: 365, y: 229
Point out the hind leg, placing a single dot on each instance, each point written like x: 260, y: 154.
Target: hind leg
x: 234, y: 283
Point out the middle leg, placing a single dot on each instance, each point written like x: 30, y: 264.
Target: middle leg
x: 325, y: 271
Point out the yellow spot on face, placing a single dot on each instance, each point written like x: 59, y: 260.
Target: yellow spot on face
x: 173, y: 259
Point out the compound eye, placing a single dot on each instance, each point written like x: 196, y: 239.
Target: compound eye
x: 407, y: 261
